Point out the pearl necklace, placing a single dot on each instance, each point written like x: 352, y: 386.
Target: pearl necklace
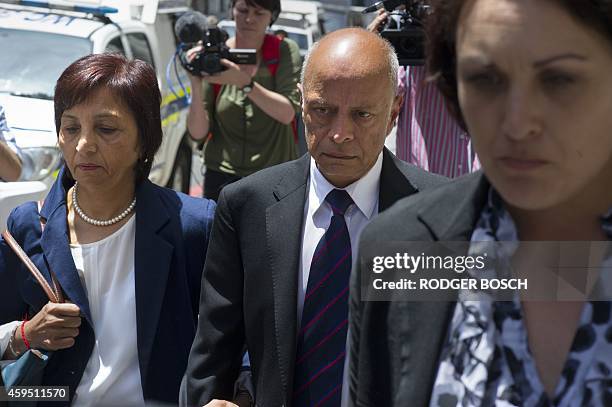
x: 97, y: 222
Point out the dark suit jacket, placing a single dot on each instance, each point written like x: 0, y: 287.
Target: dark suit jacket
x: 172, y: 232
x: 395, y: 345
x: 249, y: 288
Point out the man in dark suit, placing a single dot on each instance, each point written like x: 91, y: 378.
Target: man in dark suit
x: 283, y: 240
x: 396, y: 345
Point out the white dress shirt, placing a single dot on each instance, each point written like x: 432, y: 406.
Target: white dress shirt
x: 317, y: 217
x: 106, y: 270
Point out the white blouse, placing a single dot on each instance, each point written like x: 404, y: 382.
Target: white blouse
x: 106, y: 270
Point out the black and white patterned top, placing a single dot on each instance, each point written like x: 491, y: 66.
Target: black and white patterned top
x: 486, y: 359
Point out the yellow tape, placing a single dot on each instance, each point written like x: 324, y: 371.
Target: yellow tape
x: 171, y: 97
x: 173, y: 118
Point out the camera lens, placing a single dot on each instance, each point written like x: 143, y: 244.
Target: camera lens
x: 211, y: 63
x: 411, y: 47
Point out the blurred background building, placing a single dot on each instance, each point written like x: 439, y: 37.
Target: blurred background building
x: 335, y: 14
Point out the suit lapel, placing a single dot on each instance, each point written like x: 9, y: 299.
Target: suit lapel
x: 393, y: 183
x: 152, y: 258
x: 56, y: 246
x: 284, y: 250
x: 454, y: 219
x: 423, y: 325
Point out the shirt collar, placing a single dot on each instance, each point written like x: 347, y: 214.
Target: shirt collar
x: 364, y: 191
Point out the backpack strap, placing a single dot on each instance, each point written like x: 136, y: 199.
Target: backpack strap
x: 270, y: 52
x: 216, y: 90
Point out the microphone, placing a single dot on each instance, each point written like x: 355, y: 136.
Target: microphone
x: 191, y: 27
x: 389, y: 5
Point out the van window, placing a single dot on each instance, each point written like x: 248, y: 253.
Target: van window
x: 301, y: 39
x: 115, y: 45
x: 140, y: 47
x: 36, y: 60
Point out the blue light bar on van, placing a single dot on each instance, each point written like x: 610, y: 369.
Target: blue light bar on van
x: 53, y: 6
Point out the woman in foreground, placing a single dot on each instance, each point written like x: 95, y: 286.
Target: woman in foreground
x: 531, y: 82
x: 128, y: 254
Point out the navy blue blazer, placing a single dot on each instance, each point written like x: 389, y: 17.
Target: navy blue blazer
x: 172, y: 231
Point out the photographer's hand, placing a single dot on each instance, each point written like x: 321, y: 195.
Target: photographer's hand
x: 192, y: 52
x: 273, y: 104
x: 377, y: 24
x: 237, y: 75
x: 198, y: 122
x: 189, y: 56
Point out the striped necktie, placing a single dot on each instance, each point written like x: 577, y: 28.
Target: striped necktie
x: 321, y: 342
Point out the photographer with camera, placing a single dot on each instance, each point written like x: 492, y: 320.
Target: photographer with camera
x: 245, y: 113
x: 427, y: 135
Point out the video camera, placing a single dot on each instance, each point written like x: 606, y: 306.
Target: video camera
x: 192, y: 28
x: 404, y: 28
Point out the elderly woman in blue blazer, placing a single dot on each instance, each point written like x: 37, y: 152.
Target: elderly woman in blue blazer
x: 127, y: 254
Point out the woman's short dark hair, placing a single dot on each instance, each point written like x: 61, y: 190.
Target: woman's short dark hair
x: 442, y: 30
x: 273, y: 6
x: 133, y: 82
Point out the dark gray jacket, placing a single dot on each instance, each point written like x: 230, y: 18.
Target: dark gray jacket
x: 249, y: 288
x: 395, y: 345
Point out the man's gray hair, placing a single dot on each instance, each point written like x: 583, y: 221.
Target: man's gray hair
x: 392, y: 62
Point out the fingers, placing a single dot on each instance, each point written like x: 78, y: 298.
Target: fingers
x: 64, y: 343
x: 220, y: 403
x: 54, y: 327
x: 66, y: 333
x: 229, y: 64
x: 57, y: 338
x: 57, y: 344
x: 376, y: 24
x: 191, y: 53
x: 67, y: 309
x: 68, y: 322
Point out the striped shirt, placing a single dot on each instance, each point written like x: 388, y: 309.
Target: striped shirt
x: 427, y: 134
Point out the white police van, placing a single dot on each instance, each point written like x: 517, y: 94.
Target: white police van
x: 39, y: 40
